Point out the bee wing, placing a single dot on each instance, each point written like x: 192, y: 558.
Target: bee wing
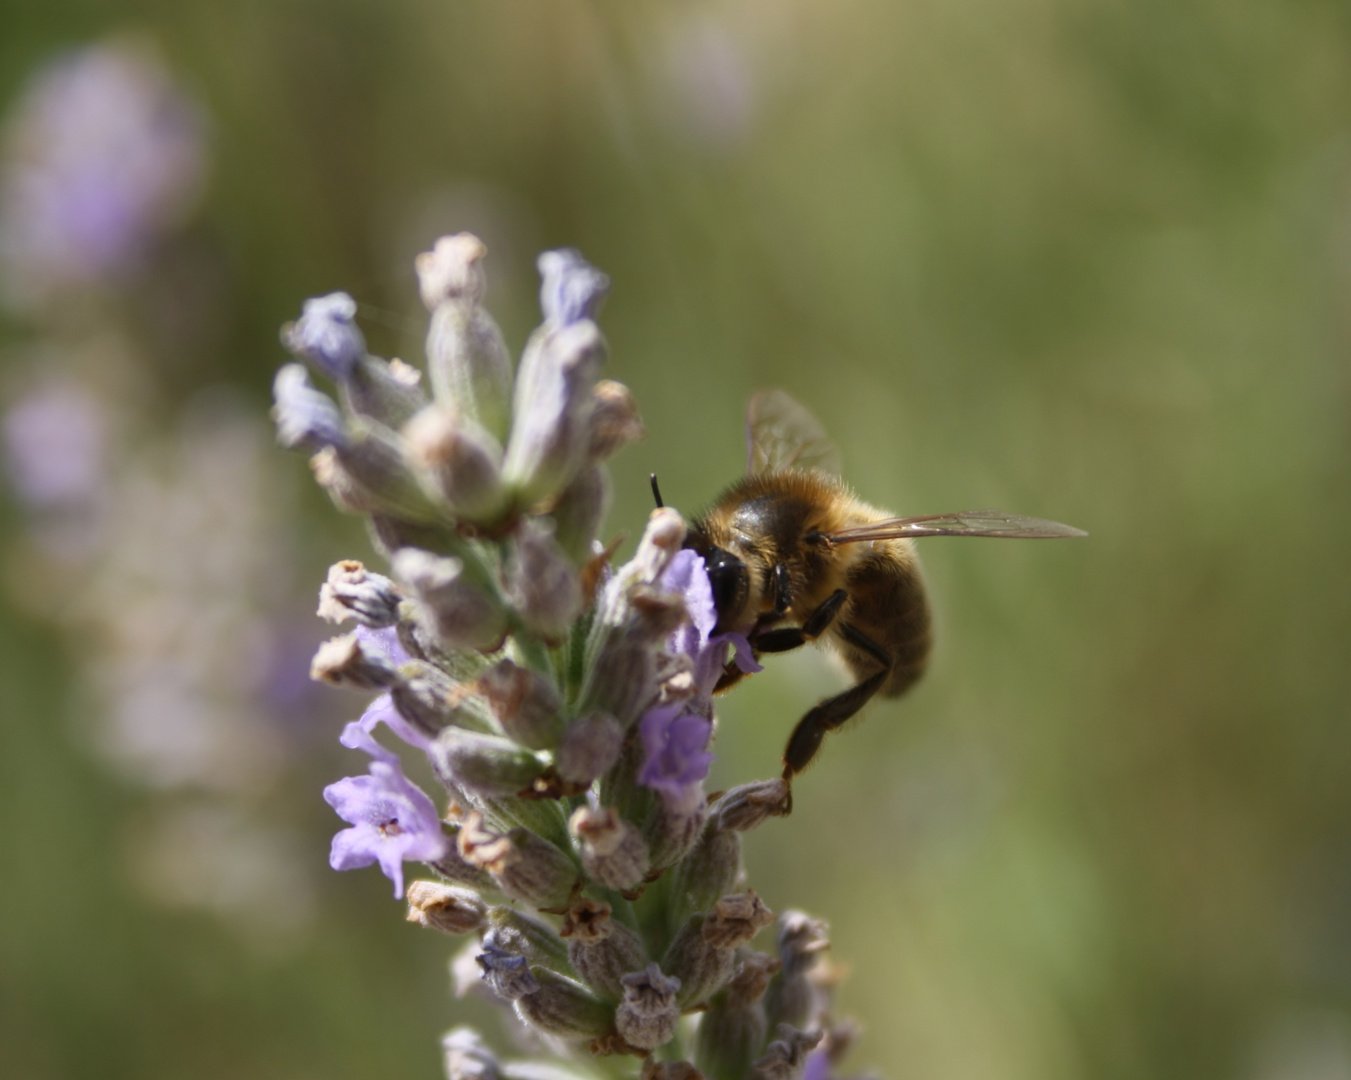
x: 782, y: 434
x: 994, y: 523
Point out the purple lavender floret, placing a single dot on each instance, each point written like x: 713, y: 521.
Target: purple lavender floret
x: 385, y: 639
x: 675, y: 736
x: 103, y: 155
x: 326, y: 334
x: 572, y: 288
x: 392, y: 820
x: 359, y: 734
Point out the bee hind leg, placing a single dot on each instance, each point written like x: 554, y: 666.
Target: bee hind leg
x: 806, y: 738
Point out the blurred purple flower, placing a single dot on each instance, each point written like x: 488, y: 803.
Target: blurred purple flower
x: 677, y: 756
x: 571, y: 288
x: 392, y: 820
x: 55, y: 441
x: 327, y: 335
x: 102, y: 155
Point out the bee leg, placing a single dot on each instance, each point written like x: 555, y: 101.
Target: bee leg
x: 831, y: 713
x: 792, y: 637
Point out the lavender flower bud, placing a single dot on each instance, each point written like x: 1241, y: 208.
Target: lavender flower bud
x: 732, y: 1029
x: 342, y: 661
x: 387, y: 391
x: 601, y: 950
x: 305, y: 417
x: 365, y: 473
x: 326, y: 334
x: 579, y: 512
x: 673, y: 830
x: 525, y: 703
x: 524, y: 866
x: 353, y: 592
x: 536, y: 940
x: 589, y: 748
x: 572, y: 289
x: 563, y: 1007
x: 431, y: 700
x: 508, y: 976
x: 736, y: 920
x: 709, y: 871
x: 551, y: 430
x: 445, y: 908
x: 614, y: 419
x: 701, y: 966
x: 792, y: 998
x: 466, y: 356
x: 457, y: 461
x: 454, y: 867
x: 467, y: 1057
x: 747, y: 806
x: 461, y: 614
x: 663, y: 537
x: 483, y: 764
x: 544, y: 587
x: 614, y: 853
x: 648, y: 1015
x: 786, y: 1057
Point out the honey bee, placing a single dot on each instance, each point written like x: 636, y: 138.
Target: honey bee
x: 794, y: 558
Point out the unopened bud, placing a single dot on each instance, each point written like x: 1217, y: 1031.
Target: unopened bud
x: 467, y: 1057
x: 326, y: 334
x: 571, y: 288
x: 458, y: 461
x: 526, y: 704
x: 353, y: 592
x: 601, y: 950
x: 365, y: 473
x: 663, y: 537
x: 342, y: 661
x: 524, y: 866
x: 589, y: 747
x: 563, y: 1006
x: 306, y: 418
x: 732, y: 1029
x: 544, y: 586
x: 443, y: 907
x: 748, y: 805
x: 649, y: 1013
x: 793, y: 998
x: 580, y: 511
x: 551, y: 429
x: 786, y: 1057
x: 461, y: 614
x: 709, y: 871
x: 483, y: 764
x: 507, y: 975
x: 431, y: 700
x: 614, y: 419
x: 468, y: 360
x: 517, y: 932
x: 736, y: 920
x: 675, y: 827
x: 387, y: 391
x: 614, y: 853
x: 702, y: 968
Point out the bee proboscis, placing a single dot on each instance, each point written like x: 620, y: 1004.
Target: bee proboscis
x: 794, y: 557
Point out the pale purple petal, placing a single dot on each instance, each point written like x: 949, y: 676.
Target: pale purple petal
x: 817, y: 1067
x: 356, y: 736
x: 382, y: 711
x: 386, y: 639
x: 676, y: 756
x: 393, y: 820
x: 688, y: 576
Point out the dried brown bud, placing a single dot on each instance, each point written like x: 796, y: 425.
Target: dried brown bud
x: 736, y: 920
x: 443, y: 907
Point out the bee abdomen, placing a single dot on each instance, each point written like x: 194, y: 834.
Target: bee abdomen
x: 888, y: 605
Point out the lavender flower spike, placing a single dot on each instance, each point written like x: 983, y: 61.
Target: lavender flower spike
x: 392, y: 821
x: 326, y: 334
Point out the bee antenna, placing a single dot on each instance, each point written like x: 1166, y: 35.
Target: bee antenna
x: 656, y: 491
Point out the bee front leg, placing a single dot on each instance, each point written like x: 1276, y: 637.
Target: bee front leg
x: 793, y: 637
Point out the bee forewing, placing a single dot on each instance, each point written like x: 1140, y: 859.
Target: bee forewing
x: 782, y: 434
x: 994, y: 523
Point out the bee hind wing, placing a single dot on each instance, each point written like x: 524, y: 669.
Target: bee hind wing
x: 781, y: 433
x: 991, y: 523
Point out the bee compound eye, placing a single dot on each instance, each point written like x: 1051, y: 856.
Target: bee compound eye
x: 730, y: 581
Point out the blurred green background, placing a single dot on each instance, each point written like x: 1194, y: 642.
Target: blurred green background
x: 1089, y: 261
